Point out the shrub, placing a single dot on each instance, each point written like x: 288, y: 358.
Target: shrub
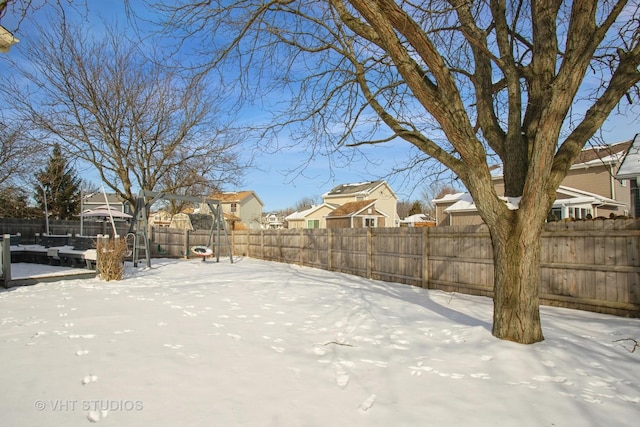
x: 110, y: 262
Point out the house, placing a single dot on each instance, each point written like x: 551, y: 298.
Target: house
x: 589, y: 190
x: 313, y: 217
x: 241, y: 207
x: 386, y: 201
x: 160, y: 218
x: 417, y: 220
x: 363, y: 213
x: 97, y: 199
x: 273, y: 221
x: 630, y: 169
x: 362, y: 204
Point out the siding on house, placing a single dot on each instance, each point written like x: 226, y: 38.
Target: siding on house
x: 386, y: 200
x: 593, y: 173
x: 245, y: 205
x: 355, y: 215
x: 315, y: 213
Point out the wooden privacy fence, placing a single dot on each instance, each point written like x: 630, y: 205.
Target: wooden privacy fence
x: 588, y: 265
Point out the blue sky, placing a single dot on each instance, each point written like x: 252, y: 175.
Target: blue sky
x: 271, y: 180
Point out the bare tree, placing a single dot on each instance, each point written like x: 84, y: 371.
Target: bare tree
x: 524, y: 83
x: 18, y: 154
x: 139, y: 123
x: 21, y: 9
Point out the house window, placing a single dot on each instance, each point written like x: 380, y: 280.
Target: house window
x: 623, y: 182
x: 555, y: 214
x: 234, y: 207
x: 370, y: 222
x: 579, y: 213
x: 313, y: 223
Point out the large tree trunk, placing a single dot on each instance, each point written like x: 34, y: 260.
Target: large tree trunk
x: 516, y: 256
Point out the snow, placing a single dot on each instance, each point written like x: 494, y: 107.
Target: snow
x: 254, y: 343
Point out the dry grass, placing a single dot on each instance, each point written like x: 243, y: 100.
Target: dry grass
x: 111, y: 254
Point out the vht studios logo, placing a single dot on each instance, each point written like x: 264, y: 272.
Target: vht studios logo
x: 89, y: 405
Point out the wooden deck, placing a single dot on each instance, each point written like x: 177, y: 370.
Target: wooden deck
x: 32, y: 264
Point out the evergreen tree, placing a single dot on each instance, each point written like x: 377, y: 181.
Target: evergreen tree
x: 14, y: 203
x: 62, y: 187
x: 416, y: 208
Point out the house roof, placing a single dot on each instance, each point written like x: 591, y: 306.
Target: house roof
x: 353, y: 209
x: 98, y: 197
x: 299, y: 215
x: 465, y: 202
x: 415, y: 218
x: 354, y: 189
x: 235, y: 196
x: 630, y: 166
x: 586, y: 196
x: 600, y: 154
x: 449, y: 198
x: 230, y: 217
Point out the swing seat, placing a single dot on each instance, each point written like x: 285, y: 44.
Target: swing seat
x: 202, y: 251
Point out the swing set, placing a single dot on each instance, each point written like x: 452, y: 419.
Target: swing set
x: 137, y: 238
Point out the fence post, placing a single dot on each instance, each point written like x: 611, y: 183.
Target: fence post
x: 369, y: 261
x: 186, y: 243
x: 329, y: 247
x: 425, y: 257
x: 302, y: 246
x: 5, y: 259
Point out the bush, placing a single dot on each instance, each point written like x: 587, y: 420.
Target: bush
x: 110, y: 262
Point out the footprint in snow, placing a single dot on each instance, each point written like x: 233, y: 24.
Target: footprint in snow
x: 173, y: 346
x: 368, y: 403
x: 342, y: 377
x: 95, y: 416
x: 481, y: 375
x: 89, y: 379
x: 544, y: 378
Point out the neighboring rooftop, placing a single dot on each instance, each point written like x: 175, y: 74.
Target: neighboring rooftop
x: 354, y: 188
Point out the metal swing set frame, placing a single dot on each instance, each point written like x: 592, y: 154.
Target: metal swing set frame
x: 139, y: 228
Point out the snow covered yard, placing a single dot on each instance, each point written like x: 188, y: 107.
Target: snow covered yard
x: 254, y: 343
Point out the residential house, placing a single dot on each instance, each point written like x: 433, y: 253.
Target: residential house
x: 97, y: 199
x: 362, y: 204
x: 386, y: 201
x: 417, y: 220
x: 363, y: 213
x: 201, y: 221
x: 313, y: 217
x: 160, y: 218
x: 630, y: 169
x: 589, y: 190
x: 243, y: 205
x: 273, y: 221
